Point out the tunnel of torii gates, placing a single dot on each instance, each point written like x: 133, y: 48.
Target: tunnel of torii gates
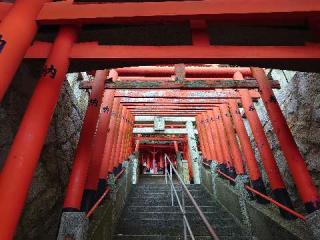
x: 207, y: 96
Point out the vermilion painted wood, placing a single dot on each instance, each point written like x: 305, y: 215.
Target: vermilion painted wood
x: 16, y: 175
x: 15, y: 42
x: 209, y: 139
x: 187, y: 95
x: 148, y: 55
x: 82, y: 159
x: 246, y: 147
x: 177, y: 104
x: 134, y: 55
x: 234, y: 146
x: 303, y: 181
x: 166, y: 79
x: 126, y: 136
x: 99, y: 140
x: 202, y: 141
x: 215, y: 135
x: 191, y: 72
x: 130, y: 143
x: 106, y: 165
x: 163, y: 108
x: 166, y: 114
x: 223, y: 137
x: 133, y: 13
x: 115, y: 144
x: 261, y: 140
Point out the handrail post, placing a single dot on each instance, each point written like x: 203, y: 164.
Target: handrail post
x: 165, y: 169
x: 183, y: 216
x: 171, y: 185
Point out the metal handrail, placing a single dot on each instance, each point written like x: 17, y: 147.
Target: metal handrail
x: 182, y: 206
x: 283, y: 207
x: 108, y: 189
x: 96, y: 205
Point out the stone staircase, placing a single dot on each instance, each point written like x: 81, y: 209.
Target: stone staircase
x: 148, y: 214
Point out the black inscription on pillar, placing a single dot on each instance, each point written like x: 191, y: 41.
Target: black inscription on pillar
x: 2, y: 43
x: 106, y: 109
x: 272, y: 99
x: 251, y: 108
x: 93, y: 102
x: 238, y: 111
x: 51, y: 71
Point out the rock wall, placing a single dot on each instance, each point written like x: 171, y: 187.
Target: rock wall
x: 42, y: 211
x: 299, y: 99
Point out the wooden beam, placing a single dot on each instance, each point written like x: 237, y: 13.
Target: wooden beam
x: 92, y: 51
x: 88, y: 56
x: 167, y: 119
x: 178, y: 95
x: 160, y: 108
x: 149, y: 72
x: 166, y: 131
x: 185, y: 85
x: 170, y: 101
x: 144, y: 12
x: 4, y: 8
x: 163, y: 138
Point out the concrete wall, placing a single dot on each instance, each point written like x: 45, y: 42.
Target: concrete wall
x: 265, y: 220
x: 42, y: 211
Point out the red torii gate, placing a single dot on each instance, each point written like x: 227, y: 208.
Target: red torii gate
x: 15, y: 45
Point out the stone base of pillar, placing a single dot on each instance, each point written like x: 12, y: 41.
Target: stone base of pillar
x: 185, y: 172
x: 213, y: 167
x: 135, y: 167
x: 111, y: 181
x: 73, y: 225
x: 244, y: 196
x: 196, y: 173
x: 313, y: 222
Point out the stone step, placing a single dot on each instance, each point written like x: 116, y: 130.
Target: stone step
x: 165, y: 202
x: 142, y: 193
x: 164, y: 195
x: 166, y: 237
x: 200, y: 195
x: 193, y: 218
x: 166, y: 186
x: 172, y: 227
x: 129, y: 209
x: 148, y: 214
